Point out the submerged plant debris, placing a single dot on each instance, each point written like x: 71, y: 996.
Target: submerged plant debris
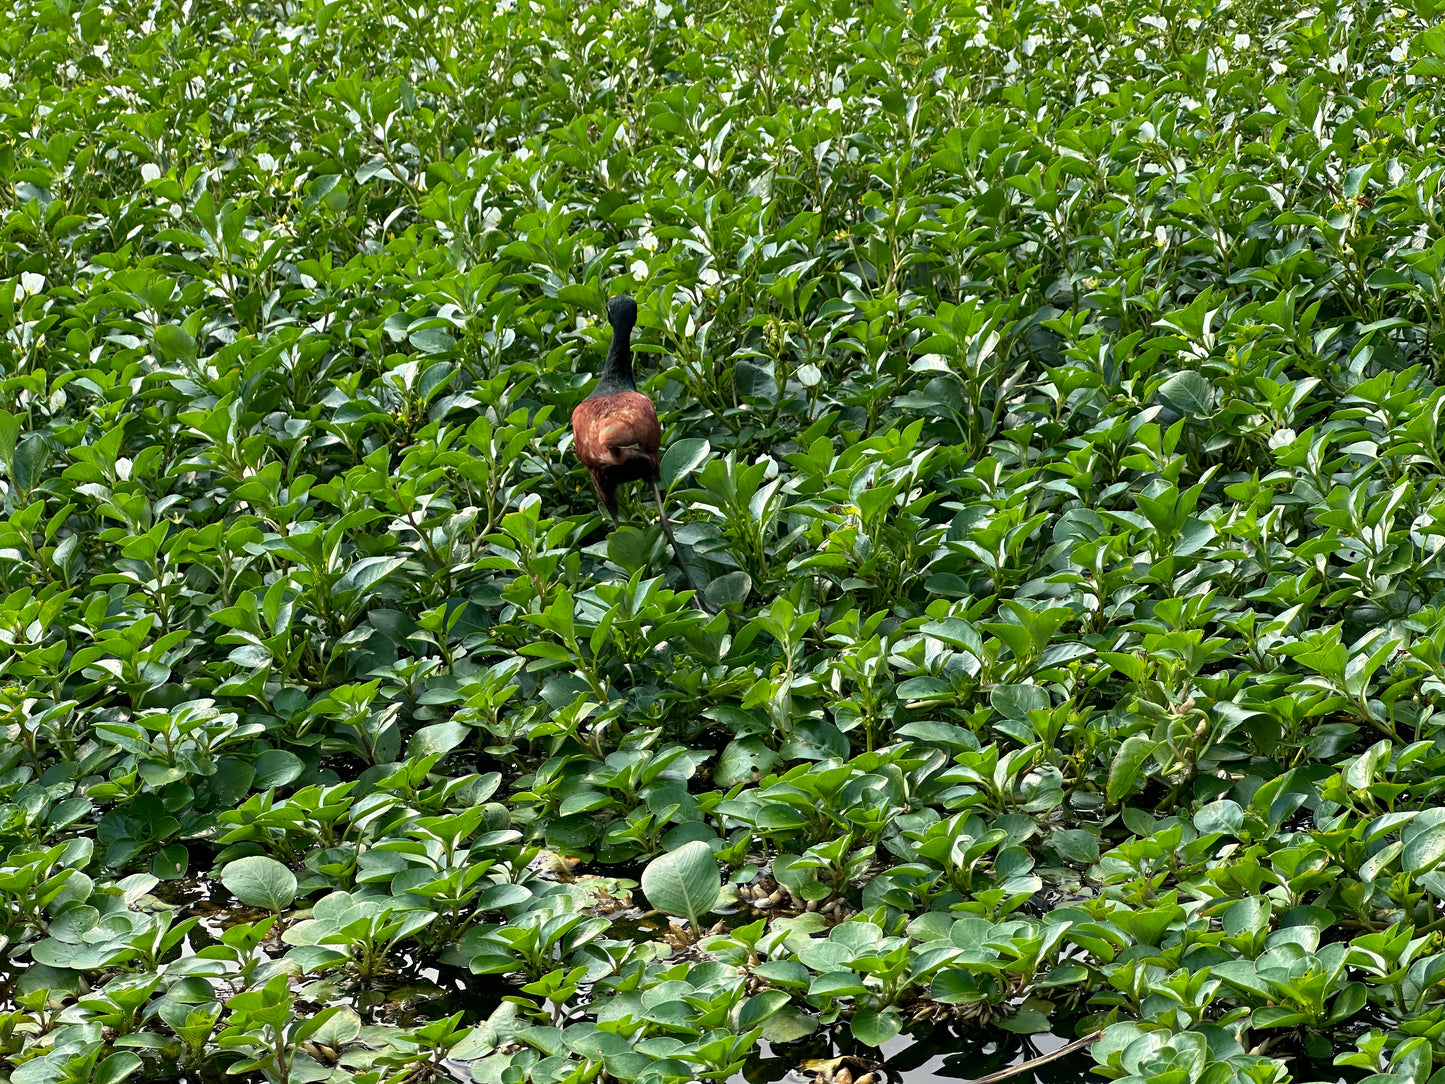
x: 1052, y: 406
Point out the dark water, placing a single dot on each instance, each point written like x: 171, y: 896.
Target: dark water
x: 939, y: 1053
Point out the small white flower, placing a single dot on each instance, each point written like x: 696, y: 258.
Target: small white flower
x: 639, y: 269
x: 266, y: 163
x: 518, y: 79
x: 709, y: 277
x: 1101, y: 86
x: 150, y: 172
x: 1399, y: 53
x: 1241, y: 41
x: 30, y: 284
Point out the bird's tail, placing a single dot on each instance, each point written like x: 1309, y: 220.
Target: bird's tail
x: 698, y: 587
x: 607, y: 494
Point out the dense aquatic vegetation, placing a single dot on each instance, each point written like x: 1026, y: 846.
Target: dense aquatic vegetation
x: 1052, y: 404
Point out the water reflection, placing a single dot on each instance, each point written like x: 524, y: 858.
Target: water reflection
x: 940, y: 1053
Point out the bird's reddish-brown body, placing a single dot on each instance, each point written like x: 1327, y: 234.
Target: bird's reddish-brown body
x: 618, y: 439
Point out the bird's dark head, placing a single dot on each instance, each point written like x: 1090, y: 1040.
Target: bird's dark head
x: 617, y: 371
x: 622, y: 313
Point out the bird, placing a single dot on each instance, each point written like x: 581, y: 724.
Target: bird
x: 616, y: 432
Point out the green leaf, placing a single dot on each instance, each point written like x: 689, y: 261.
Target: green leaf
x: 259, y: 881
x: 1225, y: 816
x: 627, y: 548
x: 684, y: 882
x: 56, y: 953
x: 682, y: 458
x: 875, y: 1028
x: 32, y: 457
x: 731, y: 589
x: 1126, y: 773
x: 117, y: 1067
x: 171, y: 862
x: 174, y: 343
x: 276, y: 768
x: 761, y: 1007
x: 789, y: 1024
x: 1076, y: 844
x: 1025, y: 1022
x: 338, y: 1029
x: 743, y: 761
x: 437, y: 738
x: 1016, y: 701
x: 9, y: 435
x: 955, y: 987
x: 367, y: 572
x: 1189, y: 393
x: 432, y: 340
x: 1424, y: 849
x: 1249, y: 915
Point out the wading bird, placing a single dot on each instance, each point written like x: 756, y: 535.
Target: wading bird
x: 616, y: 431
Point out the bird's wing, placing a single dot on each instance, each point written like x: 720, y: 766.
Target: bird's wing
x: 616, y: 427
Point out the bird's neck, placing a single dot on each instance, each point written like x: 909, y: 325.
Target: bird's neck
x: 617, y: 371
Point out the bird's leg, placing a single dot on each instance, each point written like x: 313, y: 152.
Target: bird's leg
x: 687, y: 570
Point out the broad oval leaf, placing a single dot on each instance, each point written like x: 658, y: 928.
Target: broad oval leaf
x: 367, y: 572
x: 432, y: 340
x: 1423, y: 850
x: 730, y: 590
x: 683, y: 457
x: 874, y: 1028
x: 258, y: 881
x: 1189, y: 393
x: 684, y: 882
